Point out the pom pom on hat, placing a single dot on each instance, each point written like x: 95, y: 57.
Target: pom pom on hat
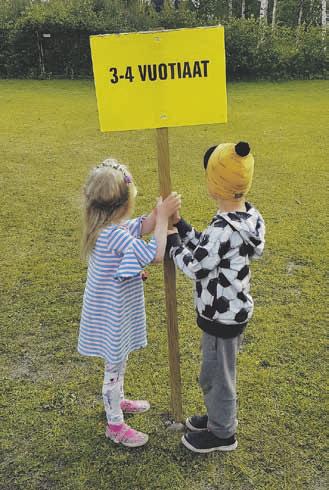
x: 229, y: 170
x: 242, y: 149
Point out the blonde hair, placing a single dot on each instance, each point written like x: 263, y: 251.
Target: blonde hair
x: 109, y: 197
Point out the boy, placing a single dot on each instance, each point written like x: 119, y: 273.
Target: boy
x: 218, y: 261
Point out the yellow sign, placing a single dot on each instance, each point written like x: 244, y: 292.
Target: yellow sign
x: 160, y: 79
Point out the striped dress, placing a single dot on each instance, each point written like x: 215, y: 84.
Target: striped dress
x: 113, y: 313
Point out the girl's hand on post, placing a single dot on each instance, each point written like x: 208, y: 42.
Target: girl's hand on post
x: 165, y: 209
x: 169, y: 206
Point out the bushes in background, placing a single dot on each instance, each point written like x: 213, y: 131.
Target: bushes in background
x: 257, y: 51
x: 253, y: 50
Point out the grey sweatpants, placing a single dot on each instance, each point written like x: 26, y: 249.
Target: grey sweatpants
x: 218, y: 382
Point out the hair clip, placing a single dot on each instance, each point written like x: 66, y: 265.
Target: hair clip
x: 116, y: 166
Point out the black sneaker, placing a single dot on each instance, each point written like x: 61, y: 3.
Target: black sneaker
x: 206, y: 442
x: 197, y: 423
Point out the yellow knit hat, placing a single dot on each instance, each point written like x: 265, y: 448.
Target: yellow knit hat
x: 229, y: 170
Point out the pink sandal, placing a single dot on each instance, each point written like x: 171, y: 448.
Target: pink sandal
x: 134, y: 406
x: 122, y: 433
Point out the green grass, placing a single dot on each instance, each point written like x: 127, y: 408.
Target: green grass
x: 53, y: 423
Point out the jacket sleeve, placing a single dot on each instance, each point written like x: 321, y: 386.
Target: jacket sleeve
x: 259, y: 240
x: 196, y: 264
x: 189, y: 236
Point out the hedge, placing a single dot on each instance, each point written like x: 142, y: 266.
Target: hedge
x: 253, y: 51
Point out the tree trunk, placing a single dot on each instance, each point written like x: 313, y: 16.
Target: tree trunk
x: 324, y: 22
x: 324, y: 14
x: 300, y: 15
x: 230, y: 9
x: 275, y: 4
x: 243, y: 9
x: 263, y: 11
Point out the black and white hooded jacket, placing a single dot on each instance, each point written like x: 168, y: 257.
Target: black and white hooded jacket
x: 218, y: 261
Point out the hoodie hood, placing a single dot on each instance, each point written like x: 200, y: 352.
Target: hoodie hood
x: 251, y: 227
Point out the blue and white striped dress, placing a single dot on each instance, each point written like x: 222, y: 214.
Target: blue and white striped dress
x: 113, y: 319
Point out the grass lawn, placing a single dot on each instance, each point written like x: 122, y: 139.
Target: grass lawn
x: 53, y: 423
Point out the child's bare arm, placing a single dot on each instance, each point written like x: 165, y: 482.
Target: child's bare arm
x: 148, y: 224
x: 164, y: 210
x: 160, y: 234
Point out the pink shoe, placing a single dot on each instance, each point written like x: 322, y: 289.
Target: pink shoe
x: 122, y: 433
x: 134, y: 406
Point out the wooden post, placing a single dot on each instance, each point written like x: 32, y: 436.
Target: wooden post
x: 170, y: 285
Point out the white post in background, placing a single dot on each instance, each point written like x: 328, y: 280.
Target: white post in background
x: 300, y: 13
x: 275, y: 4
x: 263, y: 11
x: 324, y: 14
x: 230, y: 8
x: 324, y: 19
x: 243, y: 9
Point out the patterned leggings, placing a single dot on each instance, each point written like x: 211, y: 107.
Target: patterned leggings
x: 113, y: 392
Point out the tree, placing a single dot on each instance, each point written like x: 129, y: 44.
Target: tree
x: 275, y: 4
x: 324, y: 14
x: 243, y: 9
x: 300, y: 15
x: 12, y: 9
x: 230, y: 8
x: 263, y: 10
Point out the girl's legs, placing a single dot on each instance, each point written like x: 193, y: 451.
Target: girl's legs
x: 114, y: 402
x: 113, y: 391
x: 122, y: 380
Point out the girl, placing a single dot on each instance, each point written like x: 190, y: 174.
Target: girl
x: 113, y: 313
